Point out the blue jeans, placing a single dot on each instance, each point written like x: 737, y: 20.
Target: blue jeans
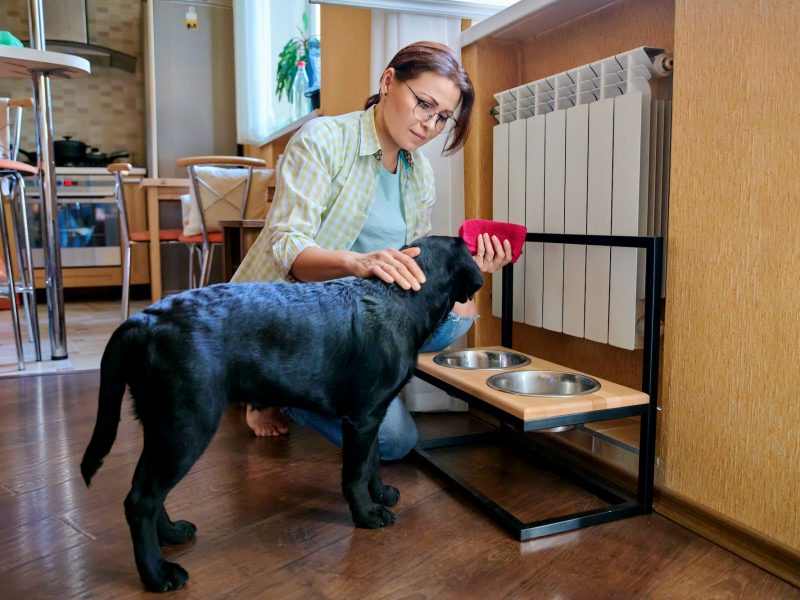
x: 397, y: 434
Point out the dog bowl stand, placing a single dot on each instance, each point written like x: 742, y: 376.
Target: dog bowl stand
x: 532, y: 413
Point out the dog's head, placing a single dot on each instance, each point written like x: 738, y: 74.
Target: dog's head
x: 447, y: 259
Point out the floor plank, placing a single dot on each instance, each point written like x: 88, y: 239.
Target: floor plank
x: 272, y: 521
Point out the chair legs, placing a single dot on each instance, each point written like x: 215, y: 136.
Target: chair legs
x: 193, y: 249
x: 19, y: 217
x: 12, y: 290
x: 205, y: 259
x: 208, y: 259
x: 126, y: 282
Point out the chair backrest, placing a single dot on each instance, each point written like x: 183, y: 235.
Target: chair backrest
x: 222, y: 188
x: 119, y: 171
x: 11, y: 125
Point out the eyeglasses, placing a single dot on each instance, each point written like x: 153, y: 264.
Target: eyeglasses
x: 423, y: 112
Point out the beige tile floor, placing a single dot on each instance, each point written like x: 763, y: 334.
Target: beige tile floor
x: 89, y: 326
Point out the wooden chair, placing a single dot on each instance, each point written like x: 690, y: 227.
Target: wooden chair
x: 221, y: 189
x: 12, y: 190
x: 131, y: 238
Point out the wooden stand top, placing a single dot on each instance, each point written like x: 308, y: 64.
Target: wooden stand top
x: 528, y: 408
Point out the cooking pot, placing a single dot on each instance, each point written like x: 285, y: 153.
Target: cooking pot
x: 69, y: 151
x: 30, y: 156
x: 95, y: 158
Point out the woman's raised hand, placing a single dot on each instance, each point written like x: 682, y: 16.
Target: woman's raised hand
x: 492, y: 255
x: 391, y: 266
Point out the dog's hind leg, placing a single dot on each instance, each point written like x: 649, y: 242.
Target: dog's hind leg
x: 359, y: 456
x: 165, y: 459
x: 169, y: 532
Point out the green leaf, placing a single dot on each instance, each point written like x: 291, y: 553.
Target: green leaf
x: 295, y: 49
x: 287, y: 67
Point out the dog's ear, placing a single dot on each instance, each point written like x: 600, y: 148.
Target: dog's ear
x: 429, y: 259
x: 469, y: 278
x: 449, y: 257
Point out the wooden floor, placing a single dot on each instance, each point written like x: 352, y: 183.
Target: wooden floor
x: 272, y: 522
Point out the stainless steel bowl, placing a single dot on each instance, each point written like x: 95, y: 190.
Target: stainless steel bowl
x: 481, y: 359
x: 553, y: 384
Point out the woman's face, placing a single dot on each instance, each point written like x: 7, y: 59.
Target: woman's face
x: 435, y: 93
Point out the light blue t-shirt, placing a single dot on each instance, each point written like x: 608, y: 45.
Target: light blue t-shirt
x: 385, y: 226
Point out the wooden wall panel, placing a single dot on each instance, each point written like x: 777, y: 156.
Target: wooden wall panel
x: 729, y: 432
x: 730, y: 428
x: 346, y: 39
x: 611, y: 30
x: 492, y: 66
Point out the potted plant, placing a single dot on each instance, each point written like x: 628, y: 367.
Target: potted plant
x: 304, y: 47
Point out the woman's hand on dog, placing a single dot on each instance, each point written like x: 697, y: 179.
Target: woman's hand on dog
x: 390, y: 266
x: 492, y: 255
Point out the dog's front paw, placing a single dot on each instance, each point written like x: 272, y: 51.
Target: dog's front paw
x: 388, y: 496
x: 372, y: 518
x: 178, y: 532
x: 165, y: 577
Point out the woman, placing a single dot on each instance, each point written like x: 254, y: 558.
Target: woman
x: 352, y: 190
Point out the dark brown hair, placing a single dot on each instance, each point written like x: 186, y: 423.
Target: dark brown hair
x: 420, y: 57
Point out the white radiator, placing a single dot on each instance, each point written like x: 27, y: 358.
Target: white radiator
x: 584, y: 151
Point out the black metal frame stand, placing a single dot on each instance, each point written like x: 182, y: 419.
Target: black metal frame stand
x: 621, y: 503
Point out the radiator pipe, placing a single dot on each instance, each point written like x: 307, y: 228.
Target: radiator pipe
x: 663, y: 64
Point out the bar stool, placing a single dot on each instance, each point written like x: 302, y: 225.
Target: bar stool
x: 131, y: 238
x: 12, y: 190
x: 221, y: 187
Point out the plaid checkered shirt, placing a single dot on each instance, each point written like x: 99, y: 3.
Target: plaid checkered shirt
x: 325, y: 190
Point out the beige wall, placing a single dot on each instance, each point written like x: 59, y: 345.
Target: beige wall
x: 730, y: 426
x: 729, y: 432
x: 106, y: 109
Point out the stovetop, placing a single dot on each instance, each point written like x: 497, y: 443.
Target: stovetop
x: 72, y: 182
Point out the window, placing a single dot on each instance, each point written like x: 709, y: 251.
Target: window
x: 261, y: 30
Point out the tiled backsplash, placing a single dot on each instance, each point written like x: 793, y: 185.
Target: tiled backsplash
x: 106, y: 110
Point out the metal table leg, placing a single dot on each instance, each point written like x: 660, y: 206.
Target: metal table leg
x: 44, y: 131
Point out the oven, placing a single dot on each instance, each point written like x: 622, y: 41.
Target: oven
x: 88, y: 218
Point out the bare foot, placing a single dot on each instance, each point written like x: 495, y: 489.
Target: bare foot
x: 268, y: 422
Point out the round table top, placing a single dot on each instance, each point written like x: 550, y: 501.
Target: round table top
x: 22, y: 62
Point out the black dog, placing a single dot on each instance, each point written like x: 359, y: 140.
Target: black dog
x: 340, y: 348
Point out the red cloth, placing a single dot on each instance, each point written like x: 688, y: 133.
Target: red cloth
x: 515, y: 234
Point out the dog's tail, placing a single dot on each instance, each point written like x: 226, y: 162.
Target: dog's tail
x: 113, y: 379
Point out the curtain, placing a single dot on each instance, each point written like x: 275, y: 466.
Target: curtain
x: 255, y: 80
x: 391, y: 31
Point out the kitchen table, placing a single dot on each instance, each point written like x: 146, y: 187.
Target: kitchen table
x: 40, y: 65
x: 159, y: 190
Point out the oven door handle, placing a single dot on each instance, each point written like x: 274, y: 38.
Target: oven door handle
x: 76, y: 199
